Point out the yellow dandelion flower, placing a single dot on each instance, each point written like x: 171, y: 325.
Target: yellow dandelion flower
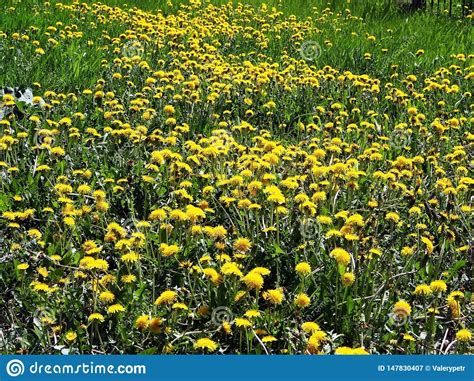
x: 106, y: 297
x: 115, y: 308
x: 253, y: 280
x: 269, y: 339
x: 347, y: 278
x: 130, y: 257
x: 303, y: 268
x: 274, y: 296
x: 23, y: 266
x: 242, y: 323
x: 428, y: 244
x: 438, y: 286
x: 310, y: 327
x: 252, y: 314
x: 166, y: 297
x: 343, y: 351
x: 341, y: 256
x: 302, y: 300
x: 96, y: 317
x: 231, y: 268
x: 155, y: 325
x: 402, y: 308
x: 261, y: 270
x: 464, y: 335
x: 422, y: 290
x: 71, y: 336
x: 169, y: 250
x: 242, y: 244
x: 128, y: 278
x: 179, y: 306
x: 142, y: 322
x: 206, y: 343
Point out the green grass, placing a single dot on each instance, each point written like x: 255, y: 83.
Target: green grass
x: 381, y: 157
x: 76, y: 65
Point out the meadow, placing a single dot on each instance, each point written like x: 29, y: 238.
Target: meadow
x: 287, y: 177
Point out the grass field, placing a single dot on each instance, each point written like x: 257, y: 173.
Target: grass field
x: 222, y: 177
